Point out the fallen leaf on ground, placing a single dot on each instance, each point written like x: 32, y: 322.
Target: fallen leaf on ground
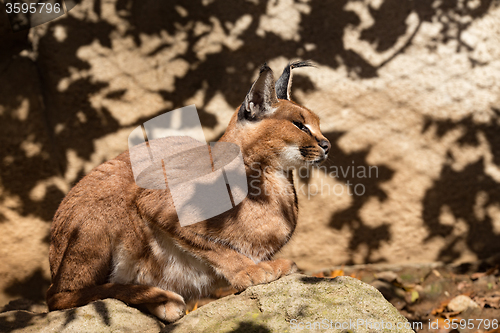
x: 440, y: 309
x: 492, y: 301
x: 451, y: 315
x: 337, y: 272
x: 414, y: 296
x: 194, y: 308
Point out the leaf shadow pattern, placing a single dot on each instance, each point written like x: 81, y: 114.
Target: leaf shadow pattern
x: 22, y: 319
x: 467, y: 193
x: 3, y: 218
x: 32, y: 287
x: 243, y: 327
x: 70, y: 316
x: 313, y: 279
x: 100, y: 308
x: 25, y: 146
x: 249, y: 327
x: 348, y: 166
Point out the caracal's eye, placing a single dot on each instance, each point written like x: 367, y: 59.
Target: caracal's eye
x: 301, y: 126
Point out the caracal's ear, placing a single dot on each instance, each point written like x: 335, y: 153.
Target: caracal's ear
x: 284, y: 83
x: 261, y: 97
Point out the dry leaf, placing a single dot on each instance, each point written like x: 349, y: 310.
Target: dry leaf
x: 319, y: 275
x: 492, y: 301
x: 414, y: 296
x: 442, y: 323
x: 337, y: 272
x: 451, y: 315
x: 435, y: 272
x: 194, y: 308
x: 440, y: 309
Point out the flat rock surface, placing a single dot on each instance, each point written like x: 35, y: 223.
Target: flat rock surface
x: 298, y: 303
x: 289, y: 304
x: 108, y: 315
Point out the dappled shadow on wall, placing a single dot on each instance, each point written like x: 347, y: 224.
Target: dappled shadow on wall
x: 346, y: 168
x: 463, y: 202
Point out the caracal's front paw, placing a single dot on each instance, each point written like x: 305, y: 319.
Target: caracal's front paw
x: 169, y: 311
x: 283, y: 267
x: 263, y: 272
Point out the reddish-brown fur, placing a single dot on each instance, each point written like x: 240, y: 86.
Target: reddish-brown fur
x: 113, y: 239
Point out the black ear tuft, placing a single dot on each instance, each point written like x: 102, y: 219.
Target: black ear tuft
x: 259, y: 100
x: 284, y: 83
x: 264, y: 68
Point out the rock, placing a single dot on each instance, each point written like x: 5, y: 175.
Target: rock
x: 387, y: 276
x: 108, y: 315
x: 461, y: 303
x: 295, y: 300
x: 27, y: 305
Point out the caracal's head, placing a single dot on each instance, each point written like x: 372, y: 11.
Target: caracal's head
x: 274, y: 131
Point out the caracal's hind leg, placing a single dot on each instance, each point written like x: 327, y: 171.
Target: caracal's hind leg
x: 164, y: 304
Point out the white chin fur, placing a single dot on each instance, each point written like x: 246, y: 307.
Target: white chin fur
x: 291, y: 157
